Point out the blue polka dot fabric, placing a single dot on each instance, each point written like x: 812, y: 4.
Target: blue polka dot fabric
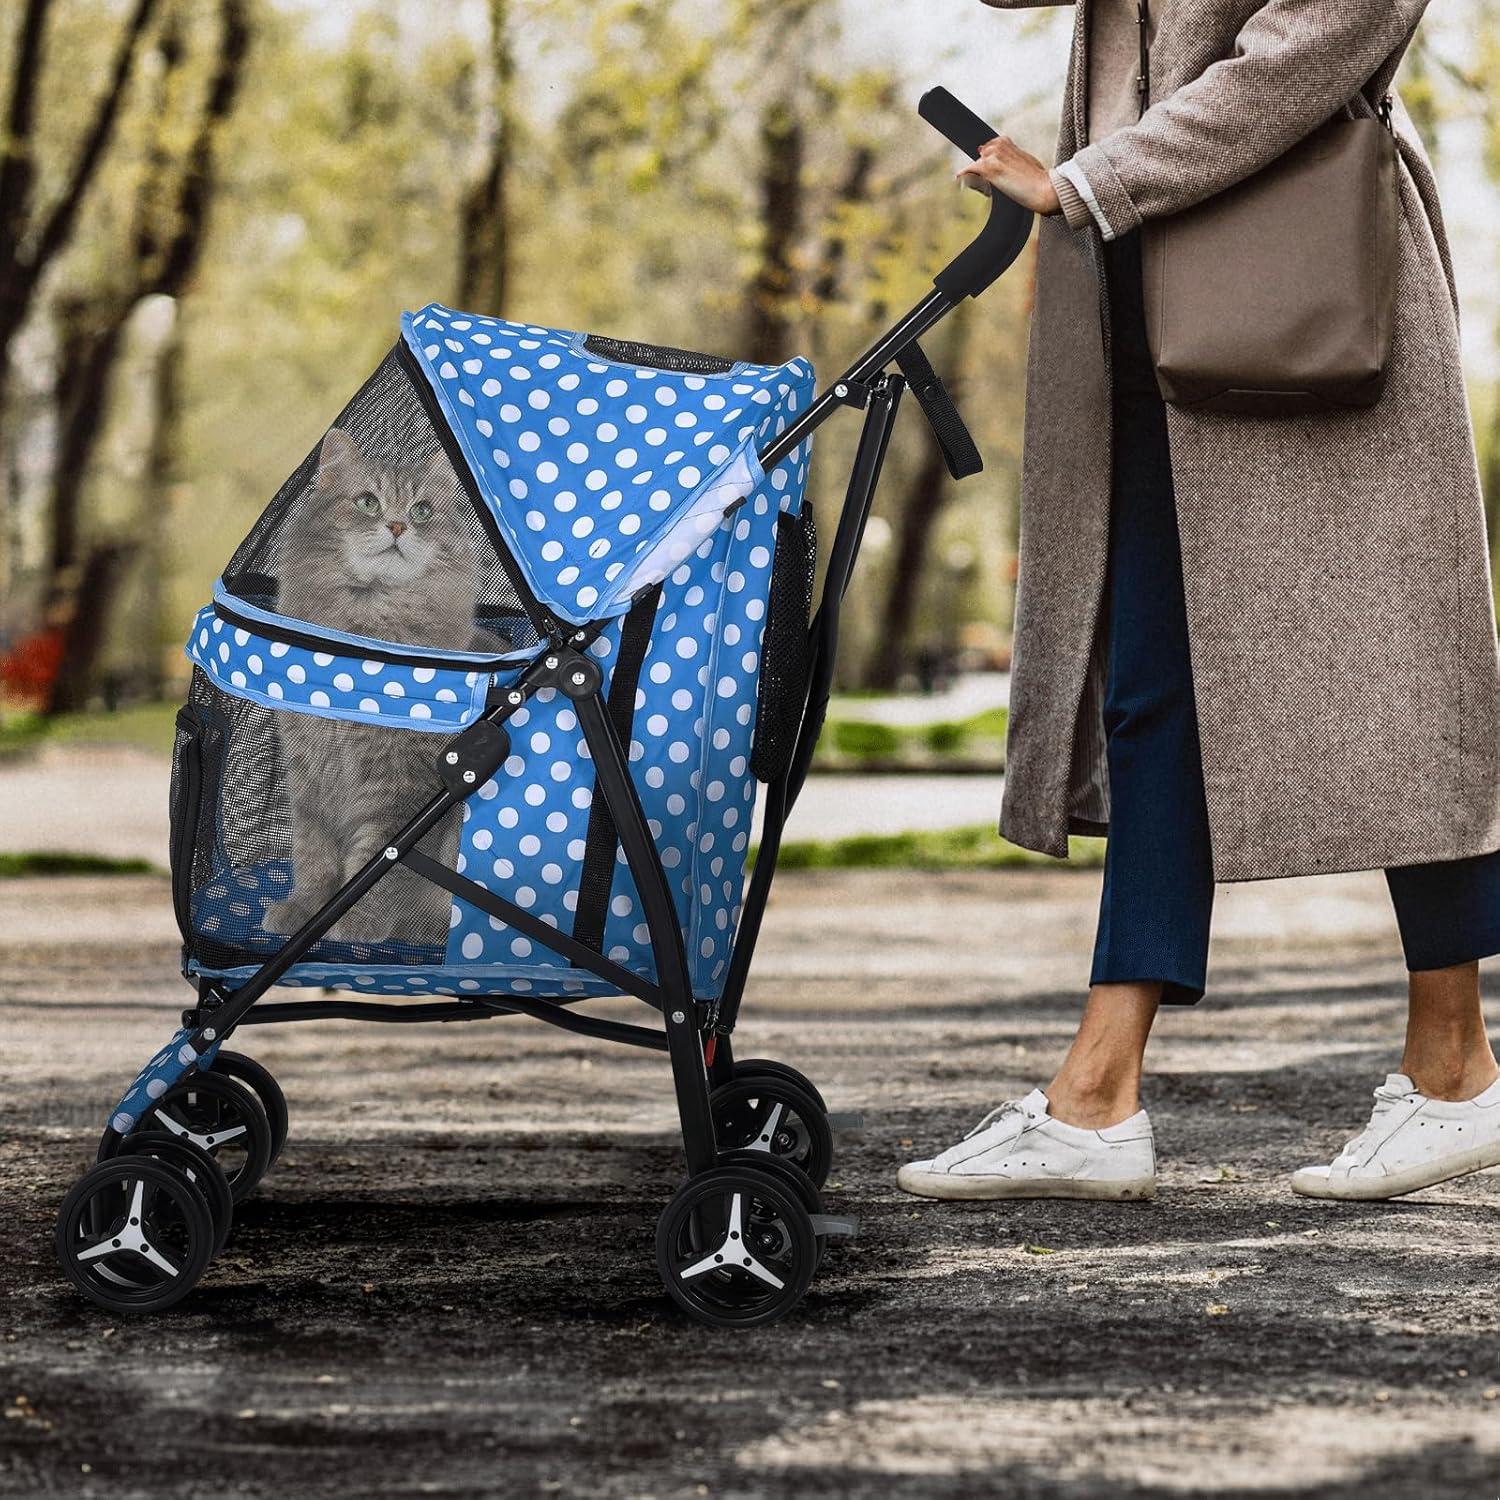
x: 166, y: 1068
x: 602, y: 476
x: 443, y: 695
x: 612, y: 484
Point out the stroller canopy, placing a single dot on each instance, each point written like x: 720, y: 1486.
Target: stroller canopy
x: 605, y: 464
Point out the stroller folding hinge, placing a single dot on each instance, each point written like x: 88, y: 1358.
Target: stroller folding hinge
x: 470, y: 760
x: 572, y: 673
x: 855, y: 393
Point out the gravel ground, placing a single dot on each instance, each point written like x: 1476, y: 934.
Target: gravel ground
x: 446, y: 1284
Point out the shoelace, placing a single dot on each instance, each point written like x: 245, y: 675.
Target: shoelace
x: 1387, y: 1096
x: 1010, y: 1107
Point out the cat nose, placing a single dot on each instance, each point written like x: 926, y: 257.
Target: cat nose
x: 396, y: 527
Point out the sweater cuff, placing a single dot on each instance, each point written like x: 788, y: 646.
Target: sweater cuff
x: 1074, y: 209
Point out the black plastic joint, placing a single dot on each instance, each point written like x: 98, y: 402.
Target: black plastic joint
x: 855, y: 393
x: 577, y: 676
x: 469, y: 761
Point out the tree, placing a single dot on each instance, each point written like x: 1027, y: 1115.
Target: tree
x: 170, y: 221
x: 485, y: 254
x: 36, y: 236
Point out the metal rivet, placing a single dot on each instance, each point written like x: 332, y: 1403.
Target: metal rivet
x: 392, y: 852
x: 678, y: 1018
x: 550, y: 663
x: 841, y: 391
x: 209, y: 1033
x: 579, y: 679
x: 512, y: 697
x: 451, y: 757
x: 468, y: 778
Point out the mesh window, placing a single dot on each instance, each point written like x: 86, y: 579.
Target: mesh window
x: 657, y: 356
x: 379, y: 532
x: 273, y: 812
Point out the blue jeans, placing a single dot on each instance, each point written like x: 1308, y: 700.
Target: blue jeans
x: 1157, y: 906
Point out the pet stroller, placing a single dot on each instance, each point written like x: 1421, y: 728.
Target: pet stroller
x: 545, y: 799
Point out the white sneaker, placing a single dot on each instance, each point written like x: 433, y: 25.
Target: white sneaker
x: 1411, y: 1142
x: 1020, y: 1151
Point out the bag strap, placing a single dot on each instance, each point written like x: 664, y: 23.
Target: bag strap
x: 960, y: 452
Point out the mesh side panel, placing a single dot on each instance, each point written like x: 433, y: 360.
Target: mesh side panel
x: 657, y: 356
x: 379, y: 532
x: 273, y: 812
x: 786, y: 654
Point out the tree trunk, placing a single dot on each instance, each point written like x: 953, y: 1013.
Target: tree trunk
x: 768, y: 332
x: 484, y: 269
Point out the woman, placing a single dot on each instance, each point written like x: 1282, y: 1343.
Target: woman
x: 1249, y: 647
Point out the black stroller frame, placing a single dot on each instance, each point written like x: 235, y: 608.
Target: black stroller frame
x: 696, y: 1035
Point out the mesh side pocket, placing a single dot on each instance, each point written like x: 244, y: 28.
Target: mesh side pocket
x: 786, y: 652
x: 272, y: 812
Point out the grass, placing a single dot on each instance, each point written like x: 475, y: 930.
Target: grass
x: 60, y: 862
x: 148, y: 726
x: 976, y: 847
x: 979, y: 737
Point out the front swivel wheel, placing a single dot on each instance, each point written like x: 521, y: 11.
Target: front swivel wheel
x: 736, y: 1248
x: 776, y: 1116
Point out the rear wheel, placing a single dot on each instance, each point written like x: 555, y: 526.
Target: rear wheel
x: 735, y: 1248
x: 134, y: 1235
x: 776, y: 1116
x: 765, y: 1067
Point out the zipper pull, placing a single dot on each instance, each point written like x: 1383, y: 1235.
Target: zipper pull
x: 1143, y: 35
x: 1383, y: 113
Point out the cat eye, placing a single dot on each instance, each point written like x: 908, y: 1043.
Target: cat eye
x: 421, y: 511
x: 368, y: 503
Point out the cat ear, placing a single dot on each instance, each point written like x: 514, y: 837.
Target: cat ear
x: 338, y: 458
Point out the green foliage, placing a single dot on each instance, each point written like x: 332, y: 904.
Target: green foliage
x: 861, y: 737
x: 972, y: 848
x: 61, y: 862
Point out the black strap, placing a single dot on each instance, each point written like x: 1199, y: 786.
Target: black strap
x: 959, y: 450
x: 597, y: 877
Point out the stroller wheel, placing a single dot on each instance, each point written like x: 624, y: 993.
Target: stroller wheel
x: 224, y: 1118
x: 774, y: 1115
x: 764, y: 1067
x: 259, y: 1081
x: 134, y: 1234
x: 197, y: 1166
x: 789, y: 1177
x: 736, y: 1248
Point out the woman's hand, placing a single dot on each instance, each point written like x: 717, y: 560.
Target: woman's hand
x: 1003, y: 165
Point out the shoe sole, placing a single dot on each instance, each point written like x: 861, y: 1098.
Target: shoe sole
x: 1398, y: 1184
x: 988, y: 1189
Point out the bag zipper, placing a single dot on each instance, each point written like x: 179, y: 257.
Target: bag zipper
x: 189, y: 810
x: 311, y: 641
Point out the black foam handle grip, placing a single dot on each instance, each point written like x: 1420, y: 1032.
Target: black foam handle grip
x: 955, y: 120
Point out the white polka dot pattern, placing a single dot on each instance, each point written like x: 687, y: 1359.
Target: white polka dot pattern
x: 589, y: 467
x: 362, y: 689
x: 156, y: 1078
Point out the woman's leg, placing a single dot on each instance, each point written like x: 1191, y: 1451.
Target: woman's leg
x: 1439, y: 1117
x: 1157, y: 902
x: 1449, y: 917
x: 1099, y: 1082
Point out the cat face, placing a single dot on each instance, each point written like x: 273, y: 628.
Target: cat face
x: 385, y: 525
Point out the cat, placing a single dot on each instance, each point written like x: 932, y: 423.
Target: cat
x: 387, y: 550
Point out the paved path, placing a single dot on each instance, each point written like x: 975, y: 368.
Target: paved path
x: 446, y: 1284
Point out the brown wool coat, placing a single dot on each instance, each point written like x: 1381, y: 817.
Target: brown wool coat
x: 1336, y: 568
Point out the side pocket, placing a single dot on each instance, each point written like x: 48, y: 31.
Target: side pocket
x: 786, y: 650
x: 196, y: 753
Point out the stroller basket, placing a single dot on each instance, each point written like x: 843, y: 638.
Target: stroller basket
x: 477, y: 717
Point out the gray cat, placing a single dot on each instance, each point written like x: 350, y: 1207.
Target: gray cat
x: 387, y: 551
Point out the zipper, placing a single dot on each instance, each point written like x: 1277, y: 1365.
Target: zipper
x: 541, y: 620
x: 311, y: 641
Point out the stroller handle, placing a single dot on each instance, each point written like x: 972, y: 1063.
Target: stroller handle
x: 1008, y: 228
